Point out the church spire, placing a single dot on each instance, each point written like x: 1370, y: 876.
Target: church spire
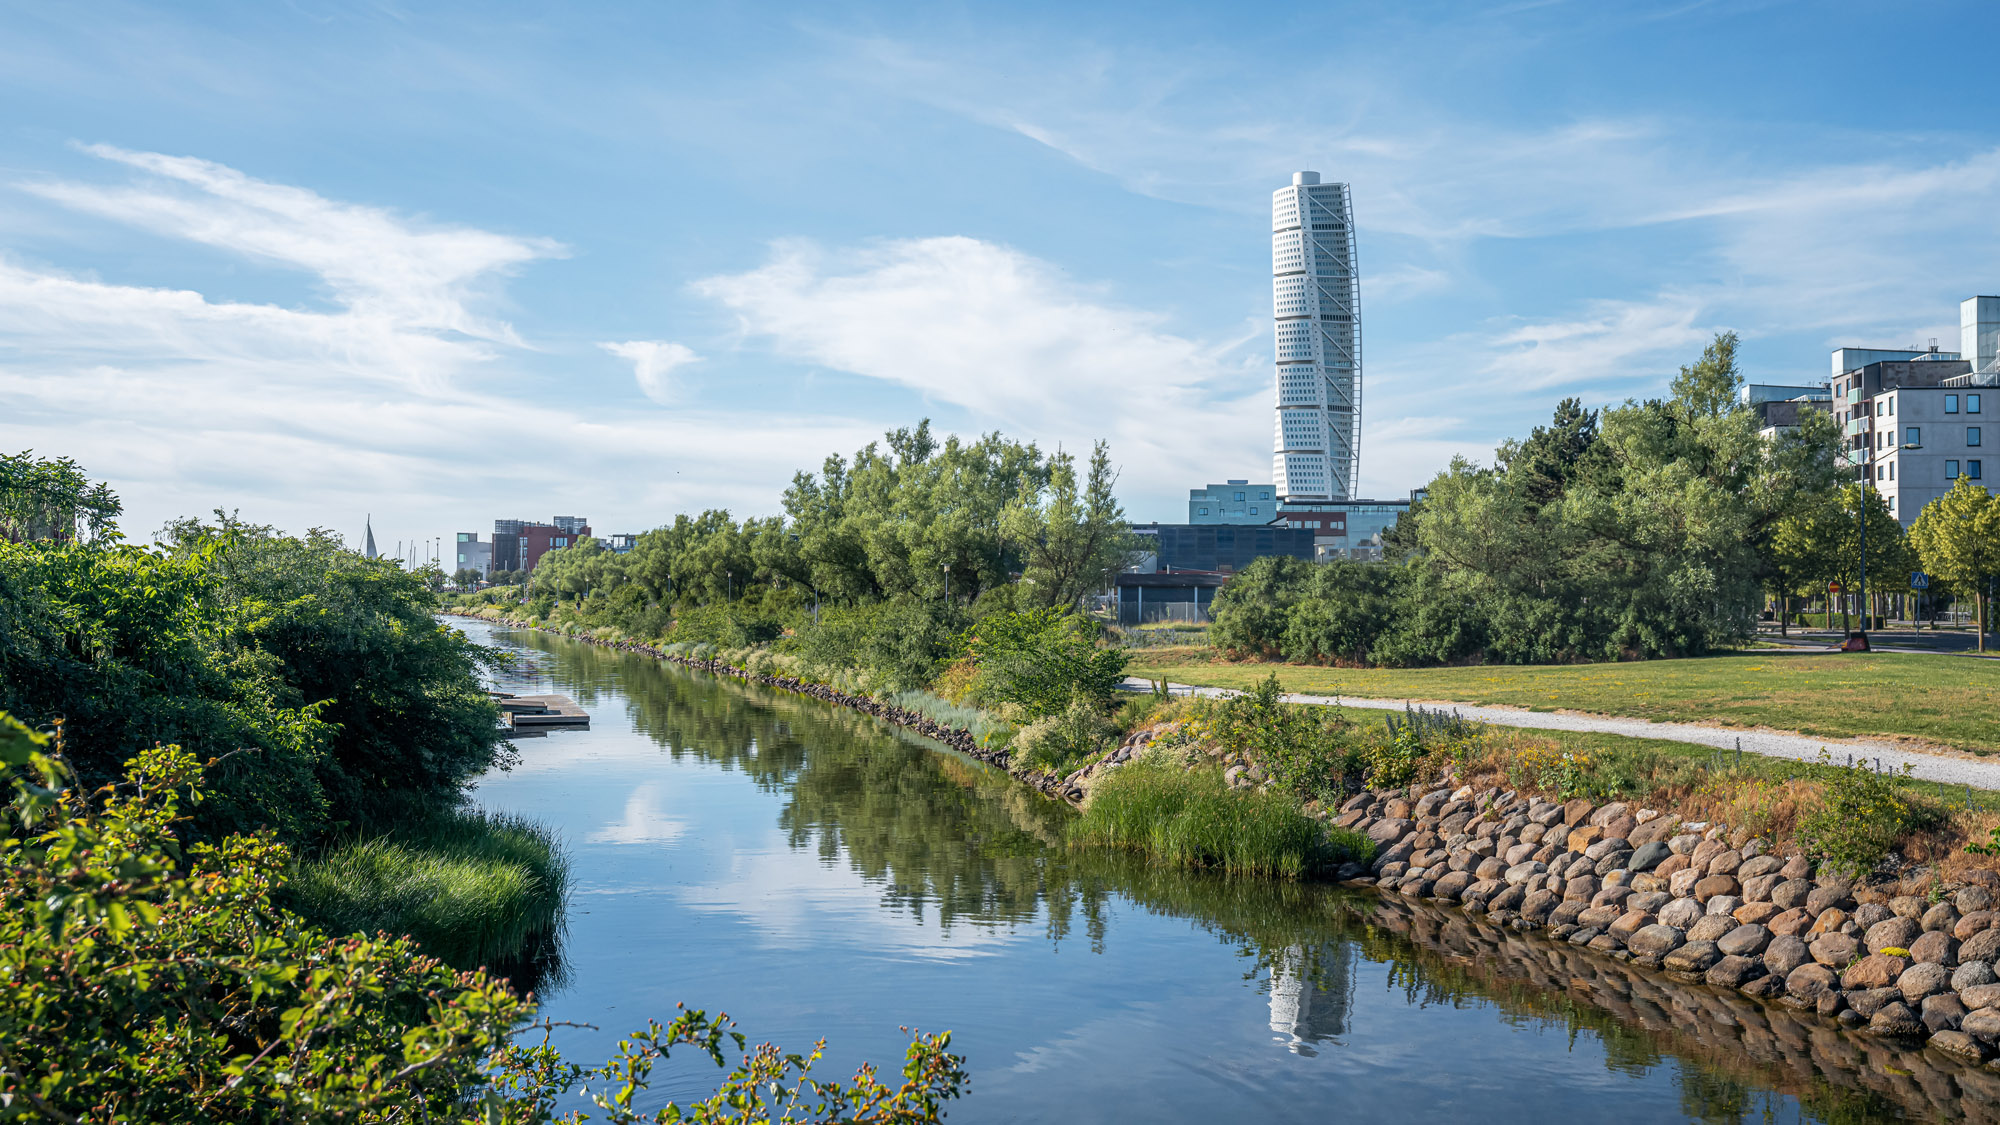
x: 368, y: 539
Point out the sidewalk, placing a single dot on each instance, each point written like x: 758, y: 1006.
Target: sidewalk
x: 1978, y: 773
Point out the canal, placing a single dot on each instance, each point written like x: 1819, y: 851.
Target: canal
x: 816, y: 873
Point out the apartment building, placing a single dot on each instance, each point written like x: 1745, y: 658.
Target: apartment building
x: 1913, y: 427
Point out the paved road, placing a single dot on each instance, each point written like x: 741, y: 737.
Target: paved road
x: 1980, y: 774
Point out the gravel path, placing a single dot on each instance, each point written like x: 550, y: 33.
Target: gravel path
x: 1980, y: 774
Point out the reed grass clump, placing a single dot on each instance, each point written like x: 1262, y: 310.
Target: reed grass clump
x: 473, y: 887
x: 1190, y: 818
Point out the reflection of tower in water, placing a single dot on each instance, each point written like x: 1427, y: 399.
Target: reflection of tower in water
x: 1311, y: 993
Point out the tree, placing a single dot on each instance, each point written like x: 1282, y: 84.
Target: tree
x: 1958, y: 538
x: 1817, y: 546
x: 1708, y: 387
x: 466, y: 577
x: 1073, y: 540
x: 43, y: 499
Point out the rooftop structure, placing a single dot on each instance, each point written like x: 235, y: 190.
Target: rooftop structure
x: 1234, y: 501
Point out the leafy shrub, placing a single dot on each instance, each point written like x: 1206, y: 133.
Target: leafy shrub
x: 1310, y: 751
x: 1860, y: 817
x: 1041, y: 658
x: 1061, y: 742
x: 1189, y: 818
x: 140, y: 981
x: 901, y: 645
x: 1397, y: 762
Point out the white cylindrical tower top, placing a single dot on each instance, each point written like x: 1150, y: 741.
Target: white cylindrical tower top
x: 1301, y: 179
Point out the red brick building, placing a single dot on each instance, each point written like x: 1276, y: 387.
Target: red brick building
x: 538, y: 539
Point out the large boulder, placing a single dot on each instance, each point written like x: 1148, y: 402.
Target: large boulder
x: 1631, y: 922
x: 1937, y: 946
x: 1834, y: 950
x: 1694, y: 957
x: 1895, y: 1018
x: 1972, y: 974
x: 1943, y: 916
x: 1972, y: 900
x: 1390, y: 829
x: 1982, y: 946
x: 1756, y: 913
x: 1975, y: 921
x: 1452, y: 884
x: 1649, y: 901
x: 1759, y: 866
x: 1745, y: 940
x: 1983, y: 1022
x: 1825, y: 898
x: 1735, y: 971
x: 1785, y: 953
x: 1681, y: 913
x: 1654, y: 940
x: 1711, y: 927
x: 1725, y: 863
x: 1942, y: 1011
x: 1923, y: 980
x: 1868, y: 1001
x: 1757, y: 888
x: 1892, y: 933
x: 1791, y: 894
x: 1807, y: 983
x: 1877, y: 970
x: 1645, y: 857
x: 1958, y: 1045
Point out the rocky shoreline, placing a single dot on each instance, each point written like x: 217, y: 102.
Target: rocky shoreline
x: 1701, y: 904
x: 959, y: 739
x: 1794, y: 1052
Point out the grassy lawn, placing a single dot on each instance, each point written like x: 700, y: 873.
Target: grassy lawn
x: 1938, y: 699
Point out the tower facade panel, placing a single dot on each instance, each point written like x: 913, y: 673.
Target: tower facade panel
x: 1315, y: 305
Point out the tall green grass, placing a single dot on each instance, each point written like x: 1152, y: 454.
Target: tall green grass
x: 1190, y: 818
x: 473, y: 887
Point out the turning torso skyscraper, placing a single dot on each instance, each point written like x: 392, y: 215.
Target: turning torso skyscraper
x: 1316, y: 300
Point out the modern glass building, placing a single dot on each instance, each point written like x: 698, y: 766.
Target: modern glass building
x: 1315, y: 299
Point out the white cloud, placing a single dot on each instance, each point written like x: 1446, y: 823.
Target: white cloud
x: 307, y: 417
x: 1000, y: 334
x: 653, y: 361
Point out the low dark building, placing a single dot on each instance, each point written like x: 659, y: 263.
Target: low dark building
x: 1182, y: 595
x: 1220, y: 548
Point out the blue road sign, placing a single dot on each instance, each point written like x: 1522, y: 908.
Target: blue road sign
x: 1919, y: 580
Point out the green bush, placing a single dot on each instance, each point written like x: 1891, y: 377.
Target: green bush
x: 1861, y: 816
x: 900, y: 645
x: 1039, y: 659
x: 1065, y: 740
x: 473, y: 888
x: 1189, y: 818
x: 1311, y: 752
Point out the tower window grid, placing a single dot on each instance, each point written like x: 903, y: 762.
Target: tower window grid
x: 1332, y: 285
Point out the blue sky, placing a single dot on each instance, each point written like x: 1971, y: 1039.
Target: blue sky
x: 448, y: 263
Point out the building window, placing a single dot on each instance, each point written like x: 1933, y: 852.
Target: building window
x: 1972, y: 435
x: 1892, y: 470
x: 1253, y: 509
x: 1204, y: 511
x: 1892, y: 505
x: 1881, y: 408
x: 1892, y: 408
x: 1972, y: 469
x: 1951, y: 404
x: 1972, y: 404
x: 1950, y: 470
x: 1881, y: 472
x: 1914, y: 436
x: 1239, y: 496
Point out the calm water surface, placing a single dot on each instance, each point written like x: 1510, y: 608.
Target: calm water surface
x: 816, y: 873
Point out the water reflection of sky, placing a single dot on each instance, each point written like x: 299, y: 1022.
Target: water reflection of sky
x: 813, y: 874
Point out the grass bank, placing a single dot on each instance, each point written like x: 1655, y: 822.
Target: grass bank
x: 1189, y: 818
x: 474, y: 888
x: 1954, y: 702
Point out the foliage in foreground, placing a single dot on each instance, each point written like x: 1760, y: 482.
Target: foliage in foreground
x: 141, y: 980
x: 1189, y: 818
x: 359, y: 705
x: 474, y: 888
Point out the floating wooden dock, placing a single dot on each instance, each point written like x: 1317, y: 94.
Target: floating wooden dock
x: 540, y: 712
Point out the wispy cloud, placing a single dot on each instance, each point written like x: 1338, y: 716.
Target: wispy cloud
x: 296, y: 414
x: 653, y: 365
x: 1002, y: 335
